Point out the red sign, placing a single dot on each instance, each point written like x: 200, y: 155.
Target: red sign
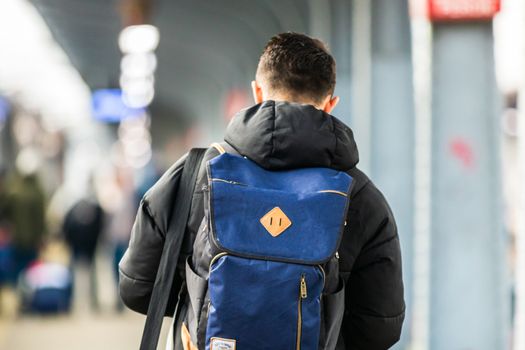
x: 459, y: 10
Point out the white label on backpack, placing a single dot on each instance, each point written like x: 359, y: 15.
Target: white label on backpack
x: 222, y: 344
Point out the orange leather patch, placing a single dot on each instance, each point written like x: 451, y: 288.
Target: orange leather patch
x: 275, y: 221
x: 186, y: 338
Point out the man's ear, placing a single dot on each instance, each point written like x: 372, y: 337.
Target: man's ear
x: 330, y: 103
x: 257, y: 92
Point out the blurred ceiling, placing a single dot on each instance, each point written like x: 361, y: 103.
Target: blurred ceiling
x: 87, y: 30
x: 206, y: 49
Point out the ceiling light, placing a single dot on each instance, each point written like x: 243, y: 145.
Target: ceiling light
x: 139, y: 38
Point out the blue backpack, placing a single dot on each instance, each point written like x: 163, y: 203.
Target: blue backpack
x: 264, y: 257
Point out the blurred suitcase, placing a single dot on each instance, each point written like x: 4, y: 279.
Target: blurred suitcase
x: 46, y: 287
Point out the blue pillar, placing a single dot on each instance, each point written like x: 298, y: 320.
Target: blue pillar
x: 392, y: 125
x: 469, y: 298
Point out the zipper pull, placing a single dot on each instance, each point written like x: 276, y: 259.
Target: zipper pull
x: 304, y: 293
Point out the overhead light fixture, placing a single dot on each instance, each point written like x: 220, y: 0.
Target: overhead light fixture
x: 139, y: 39
x: 138, y: 64
x: 138, y: 100
x: 137, y: 84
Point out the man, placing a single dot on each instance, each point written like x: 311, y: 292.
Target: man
x: 290, y: 127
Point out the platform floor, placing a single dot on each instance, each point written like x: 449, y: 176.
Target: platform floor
x: 82, y: 329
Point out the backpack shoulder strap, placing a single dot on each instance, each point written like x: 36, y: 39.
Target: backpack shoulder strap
x: 225, y: 147
x: 218, y: 147
x: 171, y: 250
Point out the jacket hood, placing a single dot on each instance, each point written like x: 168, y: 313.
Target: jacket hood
x: 284, y: 135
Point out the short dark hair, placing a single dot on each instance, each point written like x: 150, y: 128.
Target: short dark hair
x: 298, y: 65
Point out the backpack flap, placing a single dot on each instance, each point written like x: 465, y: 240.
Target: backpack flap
x: 288, y: 216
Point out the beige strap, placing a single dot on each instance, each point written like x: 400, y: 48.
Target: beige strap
x: 218, y: 147
x: 187, y: 344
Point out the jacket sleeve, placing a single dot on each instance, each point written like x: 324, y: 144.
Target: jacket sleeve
x: 374, y: 303
x: 139, y: 265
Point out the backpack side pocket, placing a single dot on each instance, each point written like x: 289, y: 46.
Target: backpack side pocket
x: 333, y: 308
x: 197, y: 287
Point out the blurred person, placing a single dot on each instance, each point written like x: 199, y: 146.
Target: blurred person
x: 5, y: 245
x: 5, y: 254
x: 24, y: 205
x: 289, y: 127
x: 121, y: 222
x: 82, y: 228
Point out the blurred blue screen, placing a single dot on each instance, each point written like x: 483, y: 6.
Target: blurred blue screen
x: 5, y: 108
x: 108, y: 106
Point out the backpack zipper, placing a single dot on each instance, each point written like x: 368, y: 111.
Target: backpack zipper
x: 216, y: 257
x: 303, y: 294
x: 228, y: 181
x: 243, y: 184
x: 334, y: 192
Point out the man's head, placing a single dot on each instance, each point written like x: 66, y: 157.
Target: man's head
x: 296, y: 68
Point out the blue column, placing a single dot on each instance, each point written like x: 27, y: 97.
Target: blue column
x: 392, y: 125
x: 469, y: 298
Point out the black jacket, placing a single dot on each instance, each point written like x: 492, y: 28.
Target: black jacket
x: 280, y: 135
